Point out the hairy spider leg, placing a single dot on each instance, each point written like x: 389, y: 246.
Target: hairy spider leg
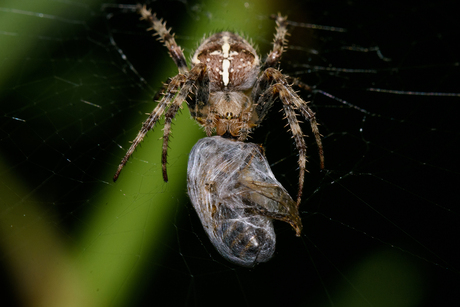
x: 279, y: 42
x: 182, y: 83
x: 279, y: 46
x: 195, y: 74
x: 165, y: 37
x: 178, y: 89
x: 272, y: 85
x: 163, y: 104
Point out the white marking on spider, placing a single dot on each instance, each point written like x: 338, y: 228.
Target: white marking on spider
x: 228, y: 56
x: 225, y: 46
x: 225, y: 73
x: 226, y: 61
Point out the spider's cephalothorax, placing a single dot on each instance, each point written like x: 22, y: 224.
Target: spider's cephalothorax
x: 232, y: 91
x: 232, y: 67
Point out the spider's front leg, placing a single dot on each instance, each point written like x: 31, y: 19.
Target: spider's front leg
x: 279, y: 42
x: 272, y: 84
x: 165, y: 37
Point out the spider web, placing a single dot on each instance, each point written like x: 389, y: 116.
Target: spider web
x: 380, y: 222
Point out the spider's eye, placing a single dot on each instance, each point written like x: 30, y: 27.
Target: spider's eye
x: 229, y: 115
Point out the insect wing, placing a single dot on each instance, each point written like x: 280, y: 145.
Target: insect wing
x: 268, y: 195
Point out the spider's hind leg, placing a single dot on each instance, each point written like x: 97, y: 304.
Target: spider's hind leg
x: 272, y: 84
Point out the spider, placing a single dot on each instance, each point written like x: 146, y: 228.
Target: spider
x: 232, y: 90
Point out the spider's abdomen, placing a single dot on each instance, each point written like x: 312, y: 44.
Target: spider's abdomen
x: 232, y: 62
x: 236, y: 196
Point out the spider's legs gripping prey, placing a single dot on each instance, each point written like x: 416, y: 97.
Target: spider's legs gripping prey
x: 165, y: 37
x: 200, y: 107
x: 271, y: 85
